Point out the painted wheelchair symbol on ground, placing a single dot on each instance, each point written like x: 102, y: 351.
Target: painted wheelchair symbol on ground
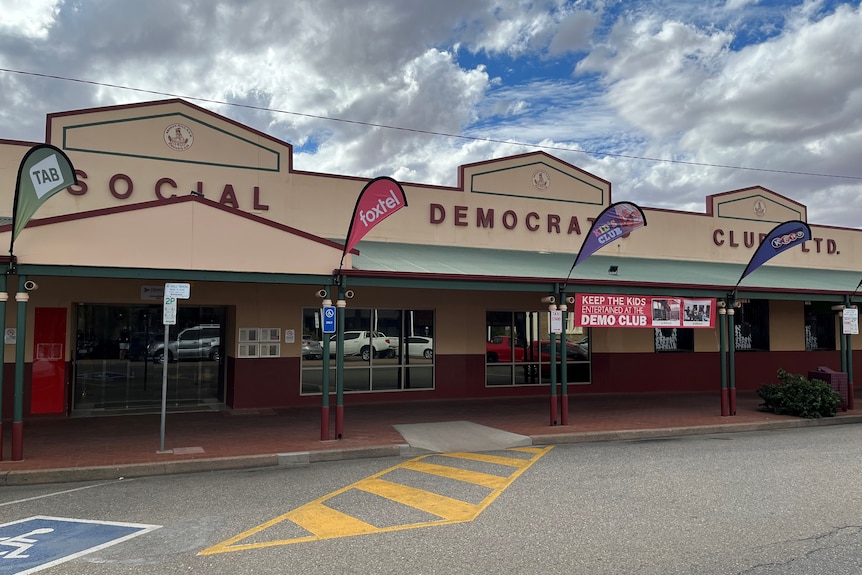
x: 36, y: 543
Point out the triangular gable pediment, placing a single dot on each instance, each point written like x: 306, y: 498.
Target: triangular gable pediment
x: 187, y: 233
x: 173, y: 131
x: 536, y: 176
x: 755, y: 204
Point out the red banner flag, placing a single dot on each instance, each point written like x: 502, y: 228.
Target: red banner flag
x: 379, y: 199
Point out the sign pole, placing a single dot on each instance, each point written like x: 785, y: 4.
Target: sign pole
x: 164, y: 411
x: 173, y: 292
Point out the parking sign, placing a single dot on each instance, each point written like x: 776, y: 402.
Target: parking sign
x: 169, y: 314
x: 329, y: 319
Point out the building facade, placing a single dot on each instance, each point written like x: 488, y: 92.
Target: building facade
x: 443, y: 299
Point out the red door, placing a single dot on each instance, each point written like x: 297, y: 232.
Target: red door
x: 49, y: 361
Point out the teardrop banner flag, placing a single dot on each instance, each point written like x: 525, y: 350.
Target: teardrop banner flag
x: 379, y: 199
x: 44, y: 171
x: 781, y: 238
x: 614, y: 222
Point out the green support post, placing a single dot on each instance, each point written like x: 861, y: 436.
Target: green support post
x: 339, y: 361
x: 564, y: 361
x: 731, y: 350
x: 4, y: 297
x: 848, y: 352
x: 324, y: 391
x: 20, y: 339
x: 722, y: 352
x: 553, y: 361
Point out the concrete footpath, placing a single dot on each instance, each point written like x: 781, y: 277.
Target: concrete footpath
x: 111, y: 447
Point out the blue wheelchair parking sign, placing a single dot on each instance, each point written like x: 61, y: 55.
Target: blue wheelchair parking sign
x: 36, y: 543
x: 329, y: 319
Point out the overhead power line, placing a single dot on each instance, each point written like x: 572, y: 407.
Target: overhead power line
x: 427, y: 132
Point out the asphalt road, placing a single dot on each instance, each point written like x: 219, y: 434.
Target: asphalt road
x: 765, y: 503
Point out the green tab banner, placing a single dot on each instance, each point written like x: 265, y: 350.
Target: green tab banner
x: 44, y: 171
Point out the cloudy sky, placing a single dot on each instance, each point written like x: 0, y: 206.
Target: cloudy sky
x: 669, y: 100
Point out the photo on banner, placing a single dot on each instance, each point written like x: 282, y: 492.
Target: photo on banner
x: 698, y: 312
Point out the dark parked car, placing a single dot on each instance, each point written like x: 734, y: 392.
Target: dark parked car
x: 140, y: 342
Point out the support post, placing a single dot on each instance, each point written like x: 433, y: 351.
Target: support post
x: 722, y: 352
x: 731, y: 365
x: 4, y: 297
x: 324, y: 391
x: 22, y: 297
x: 339, y: 361
x: 564, y: 361
x: 849, y: 368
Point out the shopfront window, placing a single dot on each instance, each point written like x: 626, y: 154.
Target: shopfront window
x: 751, y: 326
x: 674, y: 339
x: 819, y: 326
x: 384, y: 350
x: 119, y: 350
x: 517, y: 354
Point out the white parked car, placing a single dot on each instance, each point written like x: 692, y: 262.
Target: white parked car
x: 366, y: 344
x: 420, y: 346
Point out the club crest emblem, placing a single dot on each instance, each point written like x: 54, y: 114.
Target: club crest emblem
x: 179, y: 137
x: 541, y: 180
x: 759, y: 208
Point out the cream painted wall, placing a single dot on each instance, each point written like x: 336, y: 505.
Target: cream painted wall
x: 605, y: 340
x: 707, y: 339
x: 786, y: 325
x: 236, y: 165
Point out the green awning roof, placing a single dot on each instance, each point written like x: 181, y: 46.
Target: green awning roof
x: 457, y: 264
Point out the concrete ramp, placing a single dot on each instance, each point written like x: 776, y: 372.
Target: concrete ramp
x: 449, y: 436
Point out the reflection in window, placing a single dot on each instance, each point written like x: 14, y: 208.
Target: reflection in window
x: 674, y: 339
x: 751, y: 326
x: 384, y: 350
x: 819, y: 326
x: 516, y: 353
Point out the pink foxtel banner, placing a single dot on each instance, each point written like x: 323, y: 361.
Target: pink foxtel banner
x: 604, y: 310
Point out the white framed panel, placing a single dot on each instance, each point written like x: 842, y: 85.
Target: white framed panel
x: 249, y: 334
x: 272, y: 334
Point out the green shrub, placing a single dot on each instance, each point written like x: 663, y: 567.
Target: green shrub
x: 796, y: 395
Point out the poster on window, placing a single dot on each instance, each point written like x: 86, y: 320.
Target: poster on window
x: 604, y: 310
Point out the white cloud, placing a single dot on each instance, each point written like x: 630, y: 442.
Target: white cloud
x: 30, y: 19
x: 734, y: 83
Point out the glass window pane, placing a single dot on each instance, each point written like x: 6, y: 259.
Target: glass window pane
x: 357, y: 379
x: 499, y: 374
x: 419, y: 378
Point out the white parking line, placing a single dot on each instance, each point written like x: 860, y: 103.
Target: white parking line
x: 57, y: 493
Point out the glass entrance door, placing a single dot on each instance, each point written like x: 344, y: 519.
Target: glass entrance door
x: 119, y: 354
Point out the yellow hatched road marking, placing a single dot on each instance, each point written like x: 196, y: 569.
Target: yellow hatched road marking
x: 327, y: 523
x: 465, y: 475
x: 440, y: 505
x: 535, y: 450
x: 496, y: 459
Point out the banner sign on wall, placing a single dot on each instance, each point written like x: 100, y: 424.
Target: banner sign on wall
x: 611, y: 310
x: 379, y: 199
x: 614, y: 222
x: 44, y: 171
x: 781, y: 238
